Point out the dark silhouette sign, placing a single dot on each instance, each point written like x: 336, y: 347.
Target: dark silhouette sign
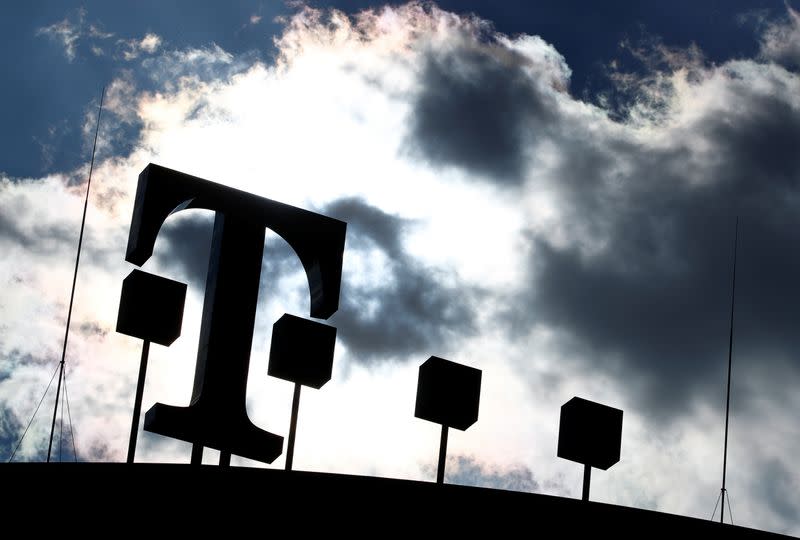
x: 589, y: 433
x: 301, y: 352
x: 151, y: 309
x: 448, y: 394
x: 217, y: 415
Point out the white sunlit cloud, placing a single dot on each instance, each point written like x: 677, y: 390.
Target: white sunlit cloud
x: 133, y: 48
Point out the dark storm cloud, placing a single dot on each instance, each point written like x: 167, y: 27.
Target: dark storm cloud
x: 775, y: 487
x: 413, y: 309
x: 478, y: 109
x: 11, y: 423
x: 188, y: 247
x: 409, y: 309
x: 656, y: 294
x: 41, y: 238
x: 188, y: 244
x: 10, y: 430
x: 54, y: 237
x: 15, y: 358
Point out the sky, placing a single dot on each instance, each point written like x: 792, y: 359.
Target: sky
x: 544, y: 191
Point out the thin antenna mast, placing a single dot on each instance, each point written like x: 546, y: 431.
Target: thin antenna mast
x: 723, y: 491
x: 75, y: 277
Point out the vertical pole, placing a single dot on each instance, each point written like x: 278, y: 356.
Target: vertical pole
x: 75, y: 277
x: 587, y: 478
x: 197, y: 454
x: 224, y: 459
x: 730, y: 365
x: 293, y: 427
x: 442, y: 456
x: 137, y: 405
x: 61, y: 428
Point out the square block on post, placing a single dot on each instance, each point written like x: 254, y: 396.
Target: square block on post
x: 448, y: 393
x: 590, y: 433
x: 151, y: 307
x: 302, y: 351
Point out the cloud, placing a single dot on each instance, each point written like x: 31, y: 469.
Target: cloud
x: 65, y: 32
x: 780, y: 41
x: 778, y: 477
x: 17, y: 407
x: 644, y: 276
x: 174, y: 68
x: 150, y: 43
x: 252, y: 21
x: 479, y: 109
x: 71, y: 31
x: 642, y: 86
x: 96, y: 31
x: 28, y: 226
x: 189, y: 246
x: 468, y: 471
x: 16, y: 358
x: 410, y: 309
x: 187, y: 250
x: 92, y: 329
x: 393, y: 306
x: 10, y: 430
x: 131, y: 49
x: 483, y: 103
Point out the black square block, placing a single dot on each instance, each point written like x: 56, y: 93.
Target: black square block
x: 151, y: 307
x: 448, y: 393
x: 590, y: 433
x: 302, y: 351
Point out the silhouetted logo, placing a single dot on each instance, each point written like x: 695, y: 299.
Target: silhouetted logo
x: 217, y: 416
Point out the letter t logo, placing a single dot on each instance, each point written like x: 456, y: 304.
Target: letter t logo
x: 217, y: 415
